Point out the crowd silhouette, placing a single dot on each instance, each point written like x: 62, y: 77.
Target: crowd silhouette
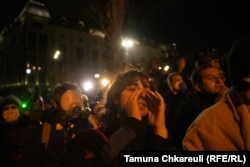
x: 201, y: 107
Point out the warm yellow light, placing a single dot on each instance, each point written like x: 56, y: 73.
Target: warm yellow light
x: 127, y: 43
x: 57, y: 54
x: 104, y: 82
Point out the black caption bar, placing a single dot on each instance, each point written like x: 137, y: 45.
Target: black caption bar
x: 185, y: 158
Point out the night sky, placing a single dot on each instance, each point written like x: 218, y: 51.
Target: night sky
x: 197, y: 25
x: 9, y: 10
x: 193, y: 25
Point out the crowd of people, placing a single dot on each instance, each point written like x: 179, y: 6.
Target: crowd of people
x: 206, y: 111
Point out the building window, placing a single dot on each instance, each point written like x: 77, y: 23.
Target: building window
x: 37, y: 25
x: 62, y: 36
x: 63, y: 21
x: 42, y: 48
x: 94, y: 56
x: 63, y: 50
x: 32, y: 40
x: 79, y: 53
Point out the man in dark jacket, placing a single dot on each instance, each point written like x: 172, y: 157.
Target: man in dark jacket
x: 173, y: 98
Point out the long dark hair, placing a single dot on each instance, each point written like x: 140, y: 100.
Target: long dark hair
x: 113, y: 94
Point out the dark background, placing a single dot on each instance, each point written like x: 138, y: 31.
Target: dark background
x: 193, y: 25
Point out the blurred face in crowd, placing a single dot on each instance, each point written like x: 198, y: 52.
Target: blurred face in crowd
x: 10, y: 113
x: 69, y: 100
x: 212, y: 80
x: 174, y: 83
x: 38, y: 105
x: 128, y: 93
x: 154, y: 64
x: 181, y: 63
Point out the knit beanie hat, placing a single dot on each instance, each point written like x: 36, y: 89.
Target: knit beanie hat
x: 11, y: 100
x: 239, y: 62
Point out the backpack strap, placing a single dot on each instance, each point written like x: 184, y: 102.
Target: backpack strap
x: 45, y: 134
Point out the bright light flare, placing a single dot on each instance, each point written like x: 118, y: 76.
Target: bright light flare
x: 57, y: 54
x: 166, y: 68
x: 87, y: 86
x: 104, y: 82
x: 28, y: 71
x: 97, y: 75
x: 127, y: 43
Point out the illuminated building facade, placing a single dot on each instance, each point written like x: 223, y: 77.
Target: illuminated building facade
x: 44, y: 46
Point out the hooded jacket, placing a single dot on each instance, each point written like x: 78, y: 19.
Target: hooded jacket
x: 221, y: 127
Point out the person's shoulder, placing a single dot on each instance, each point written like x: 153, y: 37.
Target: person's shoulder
x: 89, y: 139
x: 188, y: 102
x: 195, y: 97
x: 49, y: 115
x: 213, y: 113
x: 50, y: 111
x: 26, y: 121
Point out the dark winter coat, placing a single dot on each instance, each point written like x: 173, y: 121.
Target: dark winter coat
x: 14, y: 140
x: 186, y: 114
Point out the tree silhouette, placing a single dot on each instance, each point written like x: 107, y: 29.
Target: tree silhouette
x: 109, y: 16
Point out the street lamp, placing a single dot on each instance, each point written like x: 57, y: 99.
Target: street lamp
x: 127, y: 43
x: 57, y: 54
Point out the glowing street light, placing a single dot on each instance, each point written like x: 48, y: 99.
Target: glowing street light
x: 104, y: 82
x: 127, y: 43
x: 166, y: 68
x: 57, y: 54
x: 97, y: 75
x: 87, y: 86
x: 28, y: 71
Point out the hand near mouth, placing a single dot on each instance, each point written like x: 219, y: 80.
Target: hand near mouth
x: 133, y: 106
x: 156, y: 114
